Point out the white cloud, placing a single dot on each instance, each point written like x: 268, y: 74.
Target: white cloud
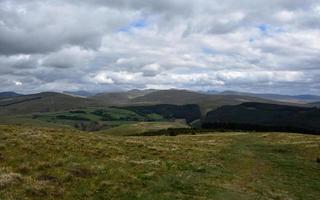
x: 151, y: 69
x: 196, y: 44
x: 102, y: 78
x: 17, y: 83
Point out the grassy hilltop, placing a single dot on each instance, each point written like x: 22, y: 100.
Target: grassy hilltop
x: 62, y: 163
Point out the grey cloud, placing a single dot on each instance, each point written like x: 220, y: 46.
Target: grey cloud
x: 125, y: 44
x: 42, y: 27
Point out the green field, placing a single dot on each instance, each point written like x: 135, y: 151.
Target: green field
x: 62, y: 163
x: 142, y: 127
x: 89, y: 119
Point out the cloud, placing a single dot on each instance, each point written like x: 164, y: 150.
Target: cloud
x: 198, y: 44
x: 68, y: 57
x: 151, y: 69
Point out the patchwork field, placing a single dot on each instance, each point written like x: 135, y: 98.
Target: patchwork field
x: 62, y: 163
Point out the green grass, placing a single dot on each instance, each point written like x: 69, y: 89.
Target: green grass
x: 62, y: 163
x: 92, y: 118
x: 142, y: 127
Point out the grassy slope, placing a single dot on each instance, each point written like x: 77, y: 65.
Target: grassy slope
x: 39, y: 163
x: 44, y: 102
x: 141, y: 127
x: 50, y: 119
x: 205, y: 101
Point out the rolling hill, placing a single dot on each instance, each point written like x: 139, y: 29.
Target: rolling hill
x: 278, y: 97
x: 46, y: 163
x: 5, y: 95
x: 261, y: 116
x: 80, y: 93
x: 119, y: 98
x: 205, y: 101
x: 43, y: 102
x: 190, y: 112
x: 50, y: 101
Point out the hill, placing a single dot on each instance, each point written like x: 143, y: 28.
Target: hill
x: 260, y: 116
x: 46, y: 163
x: 190, y: 112
x: 205, y: 101
x: 43, y: 102
x: 5, y: 95
x: 135, y: 129
x: 278, y: 97
x: 120, y: 98
x: 50, y: 101
x: 80, y: 93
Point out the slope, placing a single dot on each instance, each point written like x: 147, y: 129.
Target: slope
x: 43, y: 102
x: 278, y: 97
x: 205, y: 101
x: 39, y: 163
x: 259, y: 115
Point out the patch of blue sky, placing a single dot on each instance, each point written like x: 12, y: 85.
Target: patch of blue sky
x: 264, y: 28
x: 137, y: 24
x: 269, y: 31
x: 208, y: 51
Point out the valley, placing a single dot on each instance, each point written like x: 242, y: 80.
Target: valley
x: 154, y: 145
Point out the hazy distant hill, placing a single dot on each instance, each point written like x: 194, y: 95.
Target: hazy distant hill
x: 80, y: 93
x: 120, y: 98
x: 43, y: 102
x: 4, y: 95
x: 49, y: 101
x: 205, y: 101
x: 281, y: 117
x: 278, y: 97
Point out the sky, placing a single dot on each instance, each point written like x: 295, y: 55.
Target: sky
x: 105, y: 45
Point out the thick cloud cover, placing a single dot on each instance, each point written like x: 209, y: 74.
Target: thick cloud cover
x: 259, y: 46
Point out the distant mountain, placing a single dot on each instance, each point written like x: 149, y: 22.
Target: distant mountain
x: 43, y: 102
x: 205, y: 101
x: 5, y: 95
x: 278, y: 97
x: 80, y: 93
x: 50, y: 101
x: 257, y: 116
x: 120, y: 98
x: 209, y: 92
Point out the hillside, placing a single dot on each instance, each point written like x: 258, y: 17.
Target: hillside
x: 49, y: 101
x: 45, y: 163
x: 190, y: 112
x: 258, y: 116
x: 79, y: 93
x: 136, y: 129
x: 278, y: 97
x: 43, y: 102
x: 205, y: 101
x: 5, y: 95
x: 120, y: 98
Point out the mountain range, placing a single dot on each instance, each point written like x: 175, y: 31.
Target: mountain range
x: 14, y: 103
